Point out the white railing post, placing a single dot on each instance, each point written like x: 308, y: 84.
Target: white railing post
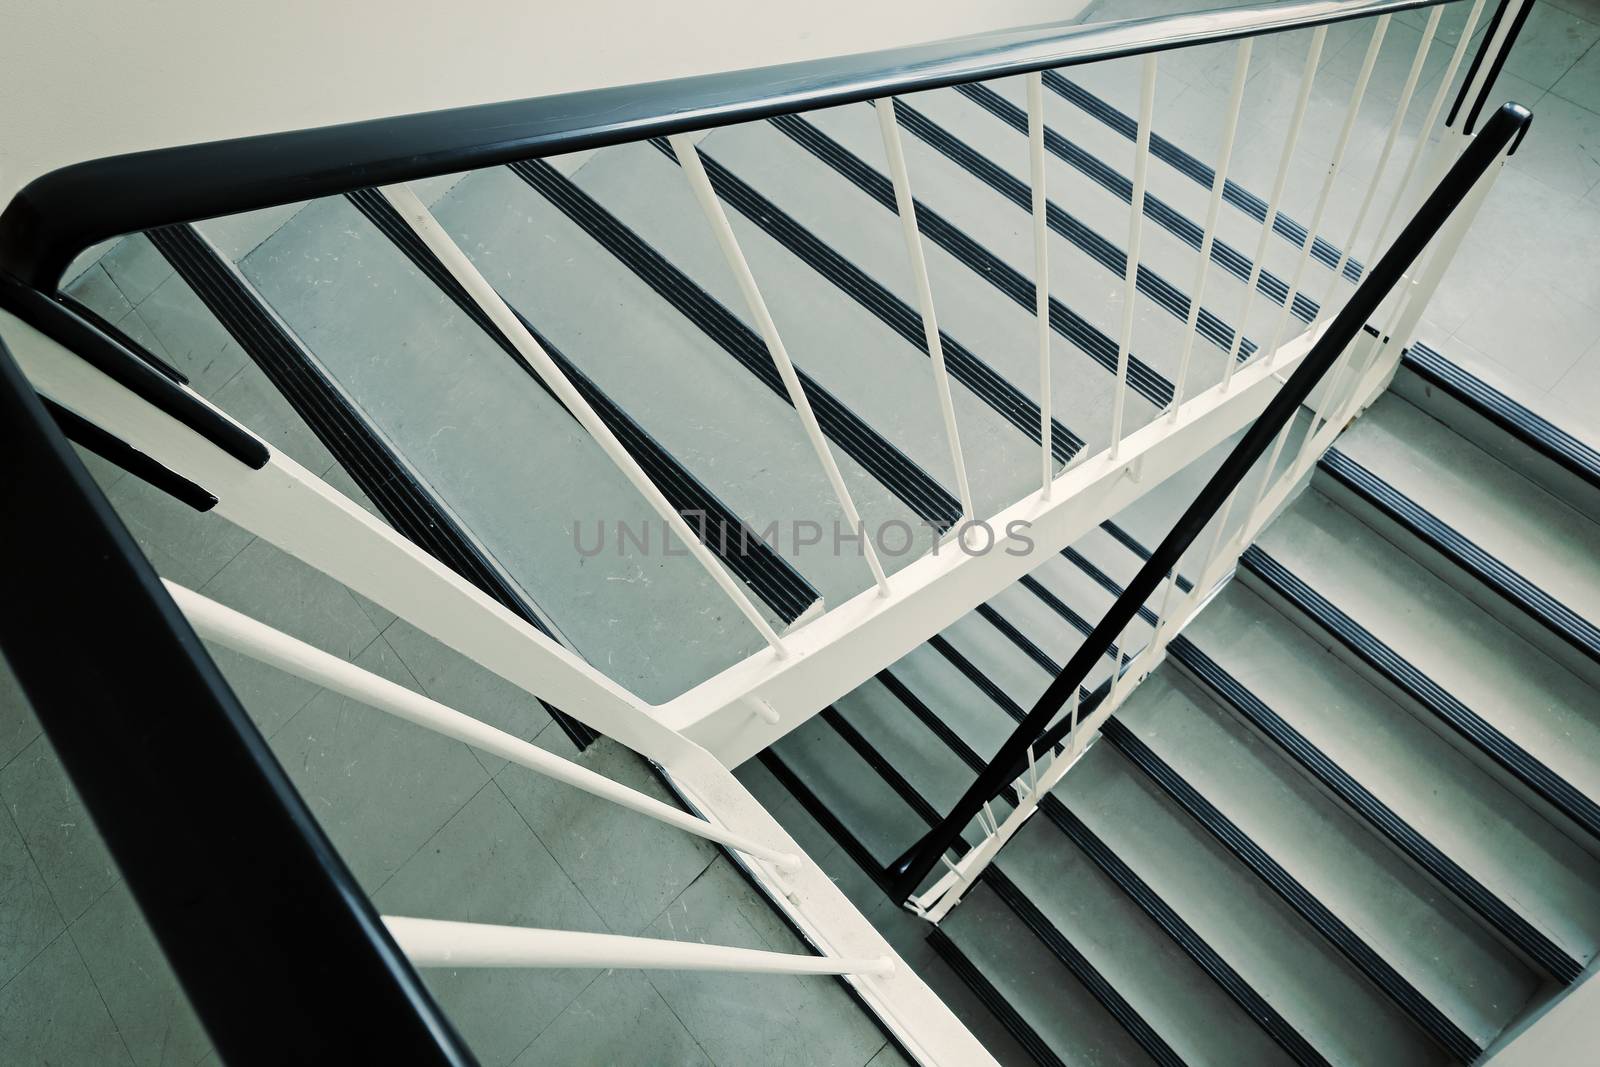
x: 906, y: 206
x: 446, y: 943
x: 694, y: 169
x: 426, y: 227
x: 1041, y: 271
x: 1334, y: 166
x: 1425, y: 130
x: 1290, y: 140
x: 1130, y: 277
x: 1219, y: 181
x: 1400, y: 110
x: 224, y: 626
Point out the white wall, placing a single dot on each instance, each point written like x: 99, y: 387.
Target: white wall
x: 89, y: 78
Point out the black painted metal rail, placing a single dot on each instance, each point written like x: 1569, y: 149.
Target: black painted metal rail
x: 247, y: 897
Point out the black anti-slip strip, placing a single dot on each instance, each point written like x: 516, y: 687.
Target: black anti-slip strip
x: 1565, y: 797
x: 1022, y: 641
x: 1422, y: 1011
x: 888, y: 464
x: 1182, y: 934
x: 1535, y: 432
x: 853, y: 846
x: 993, y: 999
x: 405, y: 503
x: 980, y: 379
x: 1144, y: 379
x: 1103, y: 580
x: 929, y: 718
x: 1321, y: 250
x: 1085, y: 972
x: 1156, y: 210
x: 1132, y: 544
x: 767, y: 573
x: 1082, y: 236
x: 989, y: 687
x: 1495, y: 911
x: 1063, y: 609
x: 1449, y: 542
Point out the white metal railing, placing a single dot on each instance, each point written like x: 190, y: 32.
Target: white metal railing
x: 1359, y: 375
x: 722, y: 721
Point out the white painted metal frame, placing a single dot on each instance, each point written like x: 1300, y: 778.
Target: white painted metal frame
x: 224, y: 626
x: 444, y: 943
x: 1367, y: 365
x: 835, y: 653
x: 299, y: 513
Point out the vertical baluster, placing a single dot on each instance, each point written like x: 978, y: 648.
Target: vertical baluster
x: 1253, y: 519
x: 426, y: 227
x: 1421, y: 145
x: 1072, y: 716
x: 1216, y: 540
x: 1350, y: 366
x: 1130, y: 281
x: 1166, y: 605
x: 1041, y: 269
x: 1334, y: 165
x: 689, y: 156
x: 1399, y: 119
x: 907, y: 208
x: 1290, y: 140
x: 1219, y: 180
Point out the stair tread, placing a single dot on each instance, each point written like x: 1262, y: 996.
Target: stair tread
x: 994, y: 326
x: 954, y: 699
x: 1167, y: 988
x: 1395, y: 909
x: 939, y: 775
x: 1436, y: 789
x: 1007, y: 232
x: 1163, y: 256
x: 1515, y: 521
x: 850, y: 790
x: 658, y: 366
x: 1505, y: 429
x: 871, y: 368
x: 1037, y: 985
x: 1320, y: 994
x: 317, y: 273
x: 1522, y: 692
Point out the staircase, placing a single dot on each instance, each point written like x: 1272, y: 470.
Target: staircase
x: 1349, y: 819
x: 1345, y: 812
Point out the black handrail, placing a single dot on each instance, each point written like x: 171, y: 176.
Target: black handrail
x: 1010, y: 762
x: 59, y: 214
x: 277, y: 947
